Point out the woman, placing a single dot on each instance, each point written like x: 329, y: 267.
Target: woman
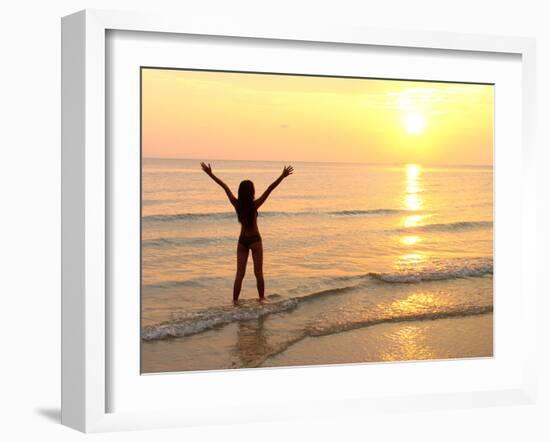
x: 249, y: 239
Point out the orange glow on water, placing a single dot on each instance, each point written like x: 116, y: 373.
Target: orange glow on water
x: 410, y: 240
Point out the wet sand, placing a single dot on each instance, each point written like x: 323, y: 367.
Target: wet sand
x: 465, y: 337
x: 246, y: 345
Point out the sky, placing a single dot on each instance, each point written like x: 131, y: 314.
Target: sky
x: 243, y: 116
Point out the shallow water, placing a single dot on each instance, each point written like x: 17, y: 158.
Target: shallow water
x: 346, y: 246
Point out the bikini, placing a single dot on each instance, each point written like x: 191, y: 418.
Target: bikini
x: 248, y: 240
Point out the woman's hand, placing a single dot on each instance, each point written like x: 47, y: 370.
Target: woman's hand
x: 287, y: 170
x: 207, y: 168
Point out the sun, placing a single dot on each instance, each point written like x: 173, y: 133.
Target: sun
x: 415, y: 123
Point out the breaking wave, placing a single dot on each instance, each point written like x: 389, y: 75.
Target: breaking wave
x: 199, y: 321
x: 448, y: 270
x: 450, y: 227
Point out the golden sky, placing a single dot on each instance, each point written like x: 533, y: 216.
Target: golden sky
x: 221, y: 115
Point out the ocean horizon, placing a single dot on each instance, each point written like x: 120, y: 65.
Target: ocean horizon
x: 368, y: 163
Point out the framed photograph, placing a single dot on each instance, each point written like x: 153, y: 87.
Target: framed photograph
x: 327, y: 215
x: 377, y: 242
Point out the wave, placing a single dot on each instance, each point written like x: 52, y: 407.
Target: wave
x: 191, y: 282
x: 369, y: 212
x: 327, y: 330
x: 174, y: 242
x: 199, y: 321
x: 317, y: 331
x: 437, y: 270
x: 188, y: 216
x: 231, y: 215
x: 450, y: 227
x: 449, y: 269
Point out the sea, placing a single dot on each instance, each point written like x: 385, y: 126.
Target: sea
x: 347, y: 246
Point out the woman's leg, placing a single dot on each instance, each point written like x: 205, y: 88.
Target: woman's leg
x: 258, y: 258
x: 242, y: 257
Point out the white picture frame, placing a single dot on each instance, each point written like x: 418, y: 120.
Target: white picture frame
x: 86, y: 353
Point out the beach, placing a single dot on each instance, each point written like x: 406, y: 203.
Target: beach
x: 363, y: 263
x: 460, y: 337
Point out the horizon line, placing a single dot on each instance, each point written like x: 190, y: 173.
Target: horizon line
x: 323, y: 162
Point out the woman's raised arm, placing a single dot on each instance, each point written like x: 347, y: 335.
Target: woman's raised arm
x: 208, y: 170
x: 287, y: 170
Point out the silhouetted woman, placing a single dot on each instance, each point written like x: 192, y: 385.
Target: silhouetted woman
x: 249, y: 239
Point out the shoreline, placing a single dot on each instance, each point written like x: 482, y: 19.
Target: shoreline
x: 444, y: 338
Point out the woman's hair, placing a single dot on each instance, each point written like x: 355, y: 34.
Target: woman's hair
x: 245, y: 207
